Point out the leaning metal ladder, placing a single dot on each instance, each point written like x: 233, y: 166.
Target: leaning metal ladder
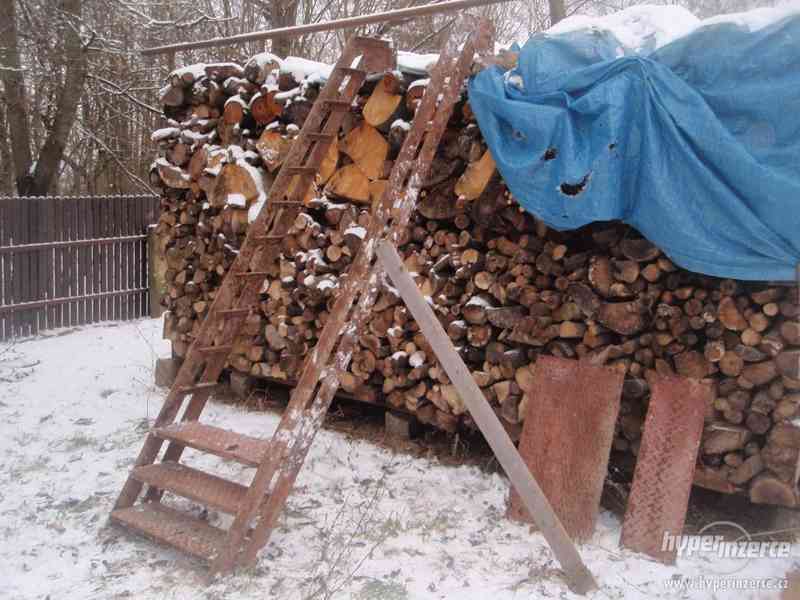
x: 198, y: 376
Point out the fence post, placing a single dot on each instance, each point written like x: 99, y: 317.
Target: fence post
x: 156, y: 270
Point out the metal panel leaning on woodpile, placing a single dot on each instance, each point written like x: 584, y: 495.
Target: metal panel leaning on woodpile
x: 505, y: 286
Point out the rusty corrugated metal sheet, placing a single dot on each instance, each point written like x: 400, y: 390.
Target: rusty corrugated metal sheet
x: 566, y: 440
x: 665, y: 466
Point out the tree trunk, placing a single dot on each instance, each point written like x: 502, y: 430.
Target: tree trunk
x: 558, y: 11
x: 14, y: 88
x: 37, y: 179
x: 284, y: 13
x: 69, y: 97
x: 6, y: 161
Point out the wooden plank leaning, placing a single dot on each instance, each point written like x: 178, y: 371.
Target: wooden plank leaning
x: 579, y: 578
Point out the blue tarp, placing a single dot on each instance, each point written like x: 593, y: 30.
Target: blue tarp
x: 696, y: 145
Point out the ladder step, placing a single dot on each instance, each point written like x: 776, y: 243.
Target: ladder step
x: 219, y: 442
x: 169, y: 526
x: 209, y: 490
x: 232, y: 313
x: 199, y: 387
x: 215, y: 349
x: 304, y: 171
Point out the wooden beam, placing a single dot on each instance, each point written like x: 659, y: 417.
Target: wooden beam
x: 298, y: 30
x: 70, y: 244
x: 10, y: 308
x: 797, y: 299
x: 579, y: 578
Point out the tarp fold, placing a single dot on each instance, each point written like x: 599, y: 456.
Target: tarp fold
x: 696, y: 144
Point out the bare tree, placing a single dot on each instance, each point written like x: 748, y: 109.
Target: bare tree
x: 284, y: 14
x: 35, y: 176
x: 558, y: 11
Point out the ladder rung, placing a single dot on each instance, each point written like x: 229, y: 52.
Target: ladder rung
x: 343, y: 104
x: 313, y: 136
x: 209, y: 490
x: 253, y: 275
x: 287, y: 203
x: 215, y: 349
x: 371, y: 42
x: 219, y: 442
x: 303, y: 171
x: 169, y: 526
x: 351, y: 71
x: 232, y: 313
x: 268, y: 238
x: 199, y: 387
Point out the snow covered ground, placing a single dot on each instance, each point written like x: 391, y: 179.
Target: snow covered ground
x: 363, y: 523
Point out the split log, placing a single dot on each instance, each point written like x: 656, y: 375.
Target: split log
x: 260, y: 66
x: 264, y: 108
x: 385, y: 104
x: 477, y: 176
x: 367, y: 148
x: 349, y: 183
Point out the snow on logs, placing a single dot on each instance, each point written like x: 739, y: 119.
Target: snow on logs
x: 506, y: 287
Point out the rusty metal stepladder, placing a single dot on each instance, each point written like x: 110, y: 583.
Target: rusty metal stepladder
x: 204, y: 362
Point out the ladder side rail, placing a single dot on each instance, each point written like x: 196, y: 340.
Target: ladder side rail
x: 405, y: 203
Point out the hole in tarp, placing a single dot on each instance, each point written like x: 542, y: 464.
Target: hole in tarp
x: 612, y: 145
x: 573, y: 189
x: 550, y: 154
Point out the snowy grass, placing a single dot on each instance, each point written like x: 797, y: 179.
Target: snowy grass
x: 363, y: 522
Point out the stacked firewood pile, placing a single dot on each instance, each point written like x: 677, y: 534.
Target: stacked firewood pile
x: 505, y: 286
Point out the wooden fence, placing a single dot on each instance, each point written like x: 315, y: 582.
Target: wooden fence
x: 68, y: 261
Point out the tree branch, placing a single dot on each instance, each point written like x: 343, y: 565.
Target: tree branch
x: 132, y: 176
x: 124, y: 93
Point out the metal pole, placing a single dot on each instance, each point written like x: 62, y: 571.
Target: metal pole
x: 298, y: 30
